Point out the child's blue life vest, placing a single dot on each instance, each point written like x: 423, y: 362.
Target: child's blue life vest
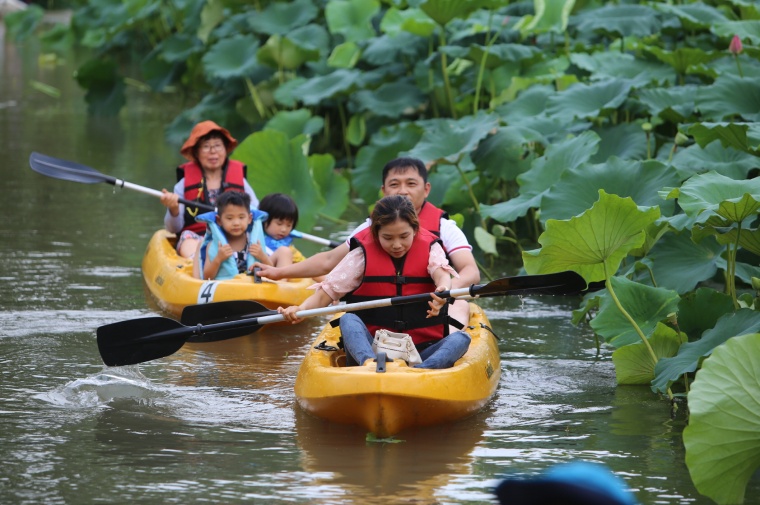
x: 215, y: 237
x: 272, y: 243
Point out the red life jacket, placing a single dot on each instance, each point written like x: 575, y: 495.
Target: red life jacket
x: 233, y: 177
x: 430, y: 218
x: 381, y: 280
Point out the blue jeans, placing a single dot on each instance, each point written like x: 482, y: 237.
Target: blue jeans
x: 357, y: 342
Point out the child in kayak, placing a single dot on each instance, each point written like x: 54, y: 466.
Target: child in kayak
x: 227, y: 246
x: 392, y: 257
x: 283, y: 218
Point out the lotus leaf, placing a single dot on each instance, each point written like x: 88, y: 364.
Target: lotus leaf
x: 589, y: 101
x: 315, y: 90
x: 647, y: 305
x: 279, y: 18
x: 742, y: 136
x: 450, y: 139
x: 413, y: 21
x: 690, y: 354
x: 105, y: 87
x: 680, y: 264
x: 544, y: 172
x: 722, y: 447
x: 603, y: 66
x: 745, y: 29
x: 443, y: 11
x: 578, y: 187
x: 633, y: 363
x: 502, y: 155
x: 673, y: 104
x: 295, y: 122
x: 730, y: 97
x: 352, y: 19
x: 624, y: 140
x: 624, y: 20
x: 283, y: 53
x: 700, y: 310
x: 720, y: 194
x: 393, y: 99
x: 277, y: 164
x: 593, y: 243
x: 334, y: 187
x: 696, y: 16
x: 551, y: 16
x: 385, y: 49
x: 232, y: 57
x: 22, y: 24
x: 726, y: 161
x: 345, y: 55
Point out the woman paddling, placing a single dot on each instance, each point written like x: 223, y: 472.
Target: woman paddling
x: 208, y: 173
x: 393, y: 257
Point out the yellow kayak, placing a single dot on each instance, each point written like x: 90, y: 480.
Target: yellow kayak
x: 401, y: 397
x: 169, y: 279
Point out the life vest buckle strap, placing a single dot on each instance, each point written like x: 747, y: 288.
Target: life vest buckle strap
x: 400, y: 279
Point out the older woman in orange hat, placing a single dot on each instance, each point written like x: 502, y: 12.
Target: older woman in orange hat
x: 207, y: 174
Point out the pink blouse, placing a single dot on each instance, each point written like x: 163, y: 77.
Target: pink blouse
x: 348, y: 274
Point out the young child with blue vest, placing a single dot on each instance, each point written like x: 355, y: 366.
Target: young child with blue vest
x: 283, y: 218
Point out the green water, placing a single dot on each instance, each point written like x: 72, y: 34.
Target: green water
x: 218, y: 423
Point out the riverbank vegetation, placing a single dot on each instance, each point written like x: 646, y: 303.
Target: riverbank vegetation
x: 619, y: 138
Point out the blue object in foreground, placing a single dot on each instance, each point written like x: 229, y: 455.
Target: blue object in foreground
x: 578, y: 483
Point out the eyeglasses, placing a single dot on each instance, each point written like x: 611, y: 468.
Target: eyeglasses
x: 207, y: 148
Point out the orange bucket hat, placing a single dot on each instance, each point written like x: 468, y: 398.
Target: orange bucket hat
x: 201, y: 130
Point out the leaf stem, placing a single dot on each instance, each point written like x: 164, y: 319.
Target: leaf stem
x: 445, y: 71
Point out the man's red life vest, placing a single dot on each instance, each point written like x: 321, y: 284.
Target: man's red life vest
x: 382, y: 280
x: 430, y: 218
x: 233, y: 177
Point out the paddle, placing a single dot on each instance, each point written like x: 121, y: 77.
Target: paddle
x: 139, y: 340
x: 75, y: 172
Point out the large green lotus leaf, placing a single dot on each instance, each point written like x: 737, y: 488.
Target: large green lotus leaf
x: 388, y: 50
x: 748, y: 239
x: 742, y: 136
x: 696, y: 16
x: 680, y: 264
x: 281, y: 52
x: 23, y: 23
x: 745, y: 272
x: 722, y: 446
x: 502, y: 155
x: 624, y: 140
x: 311, y: 37
x: 593, y: 243
x: 612, y: 64
x: 730, y: 96
x: 706, y: 192
x: 530, y: 102
x: 316, y: 89
x: 498, y: 54
x: 676, y: 104
x: 589, y: 101
x: 544, y: 172
x: 157, y: 73
x: 178, y: 47
x: 217, y: 107
x: 105, y: 87
x: 700, y: 310
x: 231, y: 57
x: 410, y: 20
x: 578, y: 187
x: 726, y: 161
x: 668, y: 370
x: 683, y: 58
x: 451, y: 139
x: 334, y: 186
x: 551, y: 16
x: 345, y: 55
x: 352, y: 18
x: 633, y: 363
x: 279, y: 18
x: 443, y: 11
x: 277, y: 164
x: 745, y: 29
x: 385, y: 145
x: 295, y: 122
x: 393, y: 99
x: 624, y: 20
x: 645, y: 304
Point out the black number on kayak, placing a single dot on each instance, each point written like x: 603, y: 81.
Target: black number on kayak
x: 206, y: 293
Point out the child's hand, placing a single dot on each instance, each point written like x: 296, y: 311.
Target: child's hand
x: 290, y: 313
x: 225, y: 252
x: 437, y: 303
x: 259, y: 254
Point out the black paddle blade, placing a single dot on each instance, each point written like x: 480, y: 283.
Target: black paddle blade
x: 561, y: 283
x: 66, y: 170
x: 217, y: 312
x: 139, y: 340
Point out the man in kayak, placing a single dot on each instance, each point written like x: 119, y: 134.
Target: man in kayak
x: 406, y: 177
